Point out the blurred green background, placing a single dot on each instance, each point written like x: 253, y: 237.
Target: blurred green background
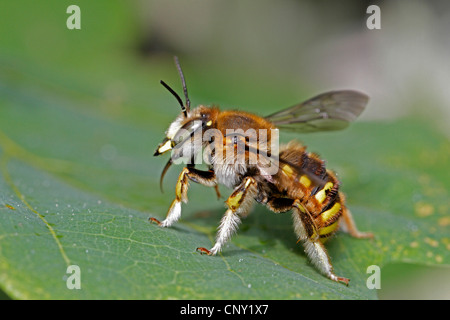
x: 259, y: 56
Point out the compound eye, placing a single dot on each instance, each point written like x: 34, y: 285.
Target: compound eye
x: 205, y: 120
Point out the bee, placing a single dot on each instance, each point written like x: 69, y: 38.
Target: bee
x: 285, y: 178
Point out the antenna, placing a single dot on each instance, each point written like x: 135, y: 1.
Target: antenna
x: 183, y: 108
x: 188, y: 102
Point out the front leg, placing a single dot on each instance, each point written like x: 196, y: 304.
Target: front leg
x: 206, y: 178
x: 239, y: 204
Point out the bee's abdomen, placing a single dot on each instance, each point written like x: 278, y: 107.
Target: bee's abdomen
x: 327, y: 217
x: 325, y: 204
x: 306, y: 179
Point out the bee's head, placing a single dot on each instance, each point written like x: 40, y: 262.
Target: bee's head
x: 181, y: 133
x: 171, y: 134
x: 185, y: 127
x: 187, y: 123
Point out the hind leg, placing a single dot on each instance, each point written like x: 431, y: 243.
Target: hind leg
x: 308, y: 233
x: 349, y: 225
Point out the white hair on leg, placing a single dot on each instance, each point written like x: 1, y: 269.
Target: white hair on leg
x: 319, y: 257
x: 173, y: 214
x: 228, y: 226
x: 314, y: 249
x: 239, y: 205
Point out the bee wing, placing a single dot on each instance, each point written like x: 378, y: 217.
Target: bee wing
x: 328, y: 111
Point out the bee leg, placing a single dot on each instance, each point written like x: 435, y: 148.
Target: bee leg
x: 151, y: 219
x: 279, y: 205
x: 206, y: 178
x: 318, y: 255
x: 216, y: 187
x: 239, y: 204
x: 203, y: 250
x: 308, y: 234
x: 349, y: 226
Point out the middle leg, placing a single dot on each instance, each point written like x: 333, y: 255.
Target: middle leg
x: 239, y: 204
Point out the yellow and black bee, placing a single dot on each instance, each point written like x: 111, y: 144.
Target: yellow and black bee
x: 299, y: 183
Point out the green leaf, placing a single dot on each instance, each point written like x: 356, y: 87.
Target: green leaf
x: 78, y: 190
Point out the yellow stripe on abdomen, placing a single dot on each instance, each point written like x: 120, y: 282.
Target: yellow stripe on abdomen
x: 321, y: 195
x: 287, y: 170
x: 327, y: 230
x: 304, y: 180
x: 330, y: 213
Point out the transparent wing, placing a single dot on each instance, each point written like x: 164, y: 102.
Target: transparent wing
x: 328, y: 111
